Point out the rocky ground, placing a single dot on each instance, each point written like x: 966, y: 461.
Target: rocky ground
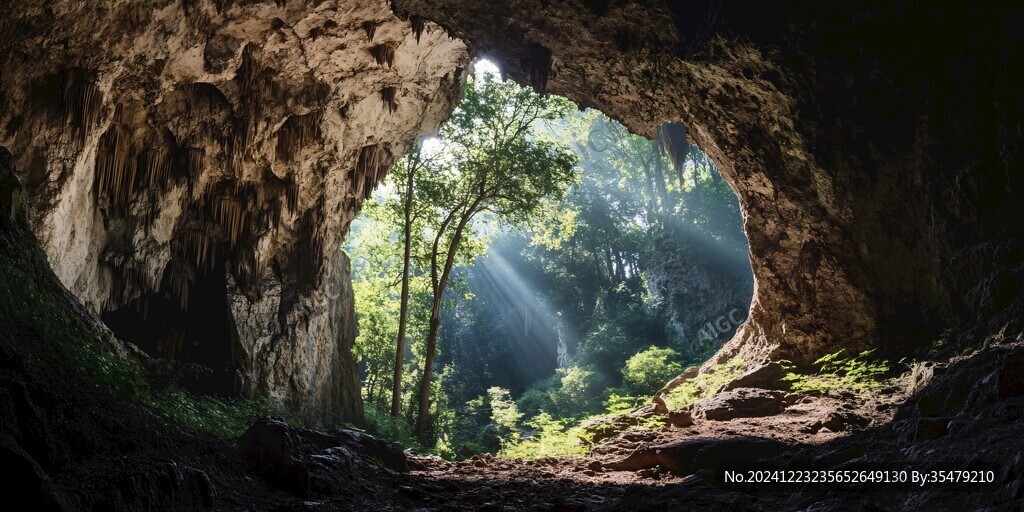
x: 963, y: 414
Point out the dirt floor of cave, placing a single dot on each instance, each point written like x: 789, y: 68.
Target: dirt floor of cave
x: 485, y: 482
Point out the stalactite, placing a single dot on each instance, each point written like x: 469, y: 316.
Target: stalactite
x: 367, y: 169
x: 257, y: 87
x: 193, y: 162
x: 295, y: 133
x: 178, y: 279
x: 388, y: 98
x: 418, y: 24
x: 292, y: 195
x: 222, y: 5
x: 231, y: 216
x: 81, y: 102
x: 130, y: 281
x: 536, y: 64
x: 116, y: 166
x: 384, y: 54
x: 670, y: 139
x: 155, y: 166
x: 371, y: 28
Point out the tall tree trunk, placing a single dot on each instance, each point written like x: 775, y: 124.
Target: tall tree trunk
x: 403, y: 311
x: 423, y: 419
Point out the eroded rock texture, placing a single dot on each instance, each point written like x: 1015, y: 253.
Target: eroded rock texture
x: 191, y: 168
x: 875, y: 149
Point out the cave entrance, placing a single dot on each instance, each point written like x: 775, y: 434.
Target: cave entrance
x: 195, y: 339
x: 590, y: 305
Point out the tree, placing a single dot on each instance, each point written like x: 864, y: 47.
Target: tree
x: 406, y: 169
x: 492, y: 161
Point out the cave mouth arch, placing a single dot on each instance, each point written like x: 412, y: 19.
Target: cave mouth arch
x: 658, y: 259
x: 786, y: 99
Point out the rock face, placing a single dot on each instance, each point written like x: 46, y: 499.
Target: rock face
x: 191, y: 168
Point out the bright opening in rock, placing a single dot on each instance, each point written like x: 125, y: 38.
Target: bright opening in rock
x: 585, y: 305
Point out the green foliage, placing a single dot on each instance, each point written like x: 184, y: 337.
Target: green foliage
x: 505, y: 415
x: 648, y: 370
x: 582, y: 256
x: 188, y: 413
x: 943, y: 343
x: 618, y: 404
x: 705, y: 384
x: 552, y: 438
x: 581, y: 391
x: 857, y: 374
x: 24, y: 299
x: 380, y: 423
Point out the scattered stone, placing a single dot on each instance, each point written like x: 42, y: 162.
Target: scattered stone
x: 766, y: 376
x: 679, y: 418
x: 687, y: 457
x: 924, y: 429
x: 946, y: 399
x: 844, y: 421
x: 739, y: 403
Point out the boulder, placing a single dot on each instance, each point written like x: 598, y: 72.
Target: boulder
x: 309, y: 462
x: 688, y: 457
x: 740, y: 403
x: 766, y: 376
x: 679, y: 418
x: 842, y: 421
x: 271, y: 450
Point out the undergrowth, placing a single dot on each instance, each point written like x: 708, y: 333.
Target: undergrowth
x: 704, y: 384
x: 551, y: 437
x: 397, y: 430
x: 857, y: 374
x: 45, y: 334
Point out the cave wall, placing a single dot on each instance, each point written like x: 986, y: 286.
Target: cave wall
x: 874, y: 146
x: 191, y: 168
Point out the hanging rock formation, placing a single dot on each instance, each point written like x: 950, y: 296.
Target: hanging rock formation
x: 191, y: 168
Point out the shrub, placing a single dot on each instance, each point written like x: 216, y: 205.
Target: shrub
x: 581, y: 392
x: 554, y: 438
x: 505, y: 415
x: 535, y: 400
x: 397, y: 430
x: 705, y: 384
x: 856, y: 374
x: 648, y: 370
